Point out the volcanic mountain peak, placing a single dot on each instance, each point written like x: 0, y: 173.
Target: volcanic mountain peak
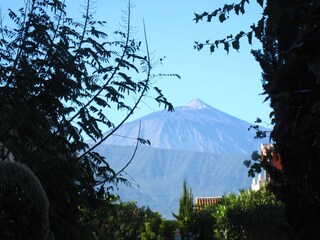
x: 197, y: 104
x: 194, y: 127
x: 195, y: 141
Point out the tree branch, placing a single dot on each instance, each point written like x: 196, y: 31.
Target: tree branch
x: 136, y: 104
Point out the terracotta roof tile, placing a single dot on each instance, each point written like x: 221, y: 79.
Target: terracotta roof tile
x: 206, y: 201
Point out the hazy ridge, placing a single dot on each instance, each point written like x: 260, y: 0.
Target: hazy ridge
x: 197, y: 142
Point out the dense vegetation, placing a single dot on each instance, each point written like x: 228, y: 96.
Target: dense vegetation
x: 289, y: 32
x: 246, y: 215
x: 123, y: 221
x: 250, y: 215
x: 59, y: 78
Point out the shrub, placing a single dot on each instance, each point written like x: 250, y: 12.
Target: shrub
x: 250, y: 215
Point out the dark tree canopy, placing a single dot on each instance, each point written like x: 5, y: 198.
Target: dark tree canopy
x: 290, y: 35
x: 57, y: 77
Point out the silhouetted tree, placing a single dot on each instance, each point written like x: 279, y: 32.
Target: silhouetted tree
x: 58, y: 77
x: 290, y: 35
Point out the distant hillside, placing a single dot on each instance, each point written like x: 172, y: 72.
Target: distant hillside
x: 160, y: 172
x: 196, y: 142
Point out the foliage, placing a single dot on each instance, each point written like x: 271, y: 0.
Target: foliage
x: 223, y: 14
x: 289, y: 32
x: 203, y: 224
x: 168, y: 229
x: 151, y: 230
x: 250, y: 215
x: 247, y: 215
x: 186, y: 208
x: 264, y: 161
x: 119, y: 220
x: 58, y: 77
x: 17, y: 179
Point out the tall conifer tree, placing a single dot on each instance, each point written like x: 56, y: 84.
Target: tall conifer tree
x: 185, y: 207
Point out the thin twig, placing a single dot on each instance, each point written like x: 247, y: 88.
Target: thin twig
x: 133, y: 155
x: 136, y: 104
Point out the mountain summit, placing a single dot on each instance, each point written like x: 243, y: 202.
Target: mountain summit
x: 197, y: 104
x: 194, y: 127
x: 196, y: 141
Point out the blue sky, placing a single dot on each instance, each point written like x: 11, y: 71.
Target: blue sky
x: 229, y: 82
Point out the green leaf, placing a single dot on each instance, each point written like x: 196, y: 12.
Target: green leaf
x: 216, y: 12
x: 261, y: 134
x: 247, y: 163
x: 216, y: 42
x: 226, y: 46
x: 236, y: 45
x: 258, y: 120
x: 93, y: 109
x: 260, y: 2
x: 257, y: 167
x: 197, y: 17
x: 255, y: 156
x: 230, y: 36
x: 100, y: 102
x: 212, y: 48
x: 239, y: 35
x: 144, y: 141
x: 199, y: 46
x: 249, y: 35
x: 237, y: 9
x: 227, y: 7
x: 242, y: 8
x: 222, y: 17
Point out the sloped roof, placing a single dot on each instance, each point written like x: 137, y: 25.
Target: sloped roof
x: 202, y: 202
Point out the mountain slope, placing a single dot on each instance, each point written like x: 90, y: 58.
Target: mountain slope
x: 196, y: 142
x: 196, y: 126
x: 157, y: 174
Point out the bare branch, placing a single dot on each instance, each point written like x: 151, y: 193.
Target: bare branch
x: 133, y: 155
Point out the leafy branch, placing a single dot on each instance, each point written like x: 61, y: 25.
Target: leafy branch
x: 230, y: 40
x: 146, y: 84
x: 57, y: 77
x: 222, y: 13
